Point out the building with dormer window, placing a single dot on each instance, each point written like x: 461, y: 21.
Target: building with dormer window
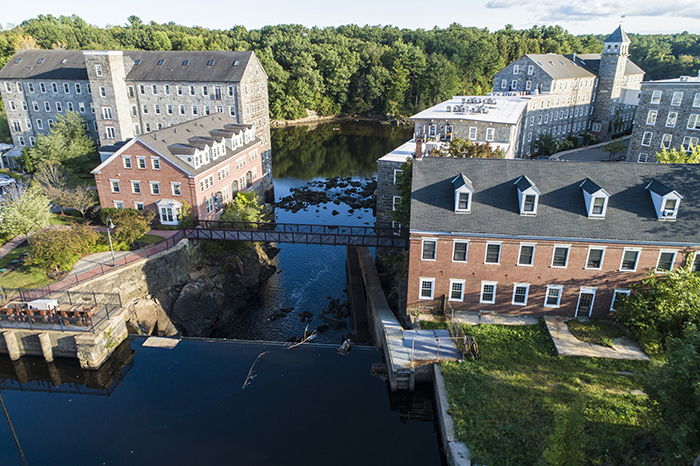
x: 546, y: 238
x: 204, y: 162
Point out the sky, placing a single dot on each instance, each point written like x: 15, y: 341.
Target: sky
x: 577, y: 16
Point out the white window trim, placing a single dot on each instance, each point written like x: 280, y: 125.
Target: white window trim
x: 486, y: 252
x: 422, y: 249
x: 111, y: 186
x: 396, y: 172
x: 466, y: 255
x: 546, y: 295
x: 615, y: 292
x: 673, y: 261
x: 138, y: 164
x: 527, y: 293
x: 135, y: 183
x: 422, y: 280
x: 588, y: 254
x: 450, y: 298
x: 153, y: 161
x: 172, y: 188
x: 636, y: 262
x: 155, y: 183
x: 568, y: 254
x: 481, y: 293
x: 534, y: 246
x: 586, y: 290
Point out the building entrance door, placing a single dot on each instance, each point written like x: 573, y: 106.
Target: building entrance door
x: 585, y: 302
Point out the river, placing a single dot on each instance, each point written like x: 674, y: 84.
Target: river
x: 186, y: 406
x: 308, y: 275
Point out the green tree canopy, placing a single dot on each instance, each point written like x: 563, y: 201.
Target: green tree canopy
x: 244, y: 208
x: 679, y: 156
x: 59, y: 250
x: 23, y: 210
x: 129, y: 224
x: 68, y: 144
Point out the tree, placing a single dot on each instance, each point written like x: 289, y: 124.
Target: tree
x: 674, y: 389
x: 80, y: 199
x: 68, y: 144
x: 679, y: 156
x: 467, y: 149
x: 660, y: 305
x: 59, y: 250
x: 546, y: 145
x: 614, y: 147
x: 244, y: 208
x: 23, y: 210
x: 129, y: 224
x: 52, y: 178
x: 184, y: 216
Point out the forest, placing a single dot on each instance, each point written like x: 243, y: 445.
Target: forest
x: 358, y: 69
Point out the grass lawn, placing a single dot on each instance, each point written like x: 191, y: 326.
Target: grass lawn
x: 594, y: 332
x: 69, y: 217
x: 508, y: 405
x: 24, y: 276
x: 150, y: 239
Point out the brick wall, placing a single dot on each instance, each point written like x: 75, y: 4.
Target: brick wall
x: 539, y: 275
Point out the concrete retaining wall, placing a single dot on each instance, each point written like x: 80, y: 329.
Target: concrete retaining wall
x: 457, y: 453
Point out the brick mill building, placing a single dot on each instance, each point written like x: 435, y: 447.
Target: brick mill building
x: 668, y: 118
x: 124, y: 94
x: 203, y: 162
x: 539, y: 238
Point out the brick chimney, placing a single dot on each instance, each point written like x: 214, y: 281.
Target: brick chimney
x: 419, y: 147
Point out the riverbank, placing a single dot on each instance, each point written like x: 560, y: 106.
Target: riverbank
x: 315, y: 119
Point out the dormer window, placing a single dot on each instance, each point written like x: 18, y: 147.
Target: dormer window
x: 596, y: 199
x: 528, y: 196
x: 665, y: 199
x: 463, y: 191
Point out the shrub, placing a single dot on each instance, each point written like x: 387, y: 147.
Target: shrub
x: 59, y: 250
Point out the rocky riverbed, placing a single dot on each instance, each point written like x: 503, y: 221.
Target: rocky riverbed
x: 356, y: 194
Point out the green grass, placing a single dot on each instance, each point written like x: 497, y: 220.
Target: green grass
x: 507, y: 404
x: 150, y: 239
x: 594, y: 332
x: 24, y: 276
x: 69, y: 217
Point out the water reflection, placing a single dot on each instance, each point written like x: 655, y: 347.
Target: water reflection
x: 32, y: 374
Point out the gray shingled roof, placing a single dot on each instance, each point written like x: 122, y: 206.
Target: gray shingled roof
x: 178, y: 140
x: 618, y: 35
x: 561, y: 212
x: 49, y: 68
x: 222, y: 68
x: 558, y: 66
x: 461, y: 180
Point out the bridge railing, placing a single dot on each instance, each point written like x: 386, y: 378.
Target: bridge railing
x: 301, y: 228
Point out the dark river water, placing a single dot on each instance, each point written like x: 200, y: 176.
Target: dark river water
x: 310, y: 274
x: 186, y: 406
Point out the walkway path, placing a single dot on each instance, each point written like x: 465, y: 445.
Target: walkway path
x: 593, y: 153
x: 567, y: 345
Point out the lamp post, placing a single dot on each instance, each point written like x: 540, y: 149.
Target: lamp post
x: 110, y: 225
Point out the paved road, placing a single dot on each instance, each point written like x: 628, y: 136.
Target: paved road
x: 591, y: 154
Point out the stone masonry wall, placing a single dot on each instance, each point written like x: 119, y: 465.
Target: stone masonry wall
x: 386, y: 190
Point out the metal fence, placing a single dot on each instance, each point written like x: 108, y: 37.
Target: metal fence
x: 72, y: 279
x: 466, y: 344
x: 76, y: 311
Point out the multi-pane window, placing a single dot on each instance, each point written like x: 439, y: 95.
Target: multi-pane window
x: 677, y: 99
x: 182, y: 109
x: 689, y: 141
x: 527, y: 253
x: 115, y: 186
x: 456, y: 290
x: 560, y: 257
x: 155, y: 187
x: 651, y: 117
x: 696, y: 100
x: 696, y: 262
x: 629, y: 260
x: 127, y: 162
x: 429, y: 249
x: 107, y: 113
x: 210, y: 204
x: 156, y: 109
x: 426, y: 288
x: 54, y: 88
x: 595, y: 258
x: 109, y: 131
x: 646, y: 138
x: 103, y: 91
x: 155, y: 163
x: 472, y: 133
x: 520, y: 292
x: 617, y: 294
x: 170, y: 109
x: 177, y: 189
x: 141, y: 162
x: 488, y: 292
x: 694, y: 121
x: 154, y: 89
x: 98, y: 70
x: 463, y: 201
x: 666, y: 141
x: 459, y: 253
x: 671, y: 119
x: 553, y: 295
x: 131, y: 92
x: 66, y: 88
x: 529, y: 203
x: 598, y: 206
x: 59, y: 107
x: 666, y: 260
x: 493, y: 253
x: 655, y: 97
x: 642, y: 157
x: 136, y: 187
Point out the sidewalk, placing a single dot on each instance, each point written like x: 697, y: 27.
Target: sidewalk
x: 567, y: 345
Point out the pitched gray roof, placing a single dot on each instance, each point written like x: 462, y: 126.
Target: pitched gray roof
x: 184, y: 138
x: 558, y: 66
x: 561, y: 212
x: 222, y: 68
x: 55, y: 64
x: 461, y: 180
x: 618, y: 35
